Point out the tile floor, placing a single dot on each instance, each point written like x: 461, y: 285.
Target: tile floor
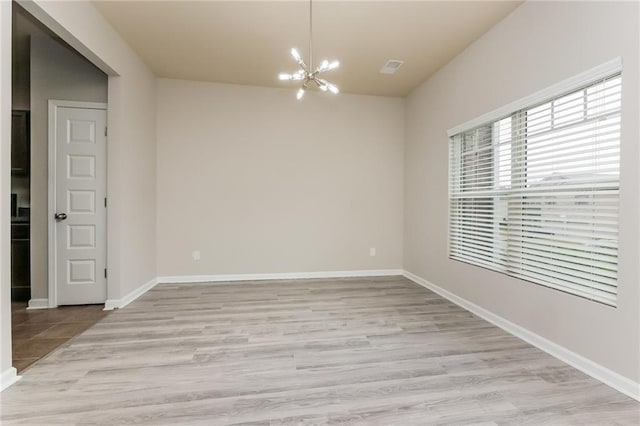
x: 36, y: 333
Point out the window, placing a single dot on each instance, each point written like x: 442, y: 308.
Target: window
x: 533, y: 193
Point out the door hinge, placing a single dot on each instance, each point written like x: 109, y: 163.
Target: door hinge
x: 105, y: 272
x: 105, y: 131
x: 105, y: 201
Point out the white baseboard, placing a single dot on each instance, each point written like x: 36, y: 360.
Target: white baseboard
x: 111, y: 304
x: 277, y: 276
x: 38, y: 304
x: 8, y: 377
x: 597, y: 371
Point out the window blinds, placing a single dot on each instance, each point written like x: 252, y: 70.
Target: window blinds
x: 534, y: 194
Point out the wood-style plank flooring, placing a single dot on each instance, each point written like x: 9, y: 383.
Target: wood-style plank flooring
x: 367, y: 351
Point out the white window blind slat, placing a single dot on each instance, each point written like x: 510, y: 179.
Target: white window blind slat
x: 535, y: 193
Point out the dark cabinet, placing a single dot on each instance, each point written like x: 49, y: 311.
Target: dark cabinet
x: 20, y: 142
x: 20, y: 265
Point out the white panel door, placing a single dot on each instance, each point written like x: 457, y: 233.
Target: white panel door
x: 80, y: 205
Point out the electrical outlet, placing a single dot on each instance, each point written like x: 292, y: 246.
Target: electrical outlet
x: 372, y: 251
x: 195, y: 254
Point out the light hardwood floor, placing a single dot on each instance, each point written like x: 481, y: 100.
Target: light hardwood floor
x: 374, y: 351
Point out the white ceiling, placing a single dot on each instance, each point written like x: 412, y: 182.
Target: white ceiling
x: 248, y: 42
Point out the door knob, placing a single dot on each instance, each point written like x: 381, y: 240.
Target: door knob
x: 60, y: 216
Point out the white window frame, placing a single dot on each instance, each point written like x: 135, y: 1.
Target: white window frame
x: 572, y: 83
x: 566, y: 86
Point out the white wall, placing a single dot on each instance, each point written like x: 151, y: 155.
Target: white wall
x: 57, y: 72
x: 7, y: 373
x: 262, y: 183
x: 539, y: 44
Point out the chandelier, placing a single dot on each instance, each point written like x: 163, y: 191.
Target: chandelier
x: 306, y: 73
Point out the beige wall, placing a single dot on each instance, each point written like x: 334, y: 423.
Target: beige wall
x: 131, y: 153
x: 262, y: 183
x: 57, y: 72
x: 539, y: 44
x: 5, y: 188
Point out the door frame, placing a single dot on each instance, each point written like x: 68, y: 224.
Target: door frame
x: 54, y: 104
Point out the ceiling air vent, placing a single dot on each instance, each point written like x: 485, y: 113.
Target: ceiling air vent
x: 391, y: 66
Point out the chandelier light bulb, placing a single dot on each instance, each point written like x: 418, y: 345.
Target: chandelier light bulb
x: 300, y: 93
x: 285, y: 76
x: 333, y: 65
x: 295, y: 54
x: 333, y: 89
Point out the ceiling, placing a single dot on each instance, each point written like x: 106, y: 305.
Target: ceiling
x: 248, y: 42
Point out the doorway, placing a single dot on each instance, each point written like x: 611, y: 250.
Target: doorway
x: 44, y: 67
